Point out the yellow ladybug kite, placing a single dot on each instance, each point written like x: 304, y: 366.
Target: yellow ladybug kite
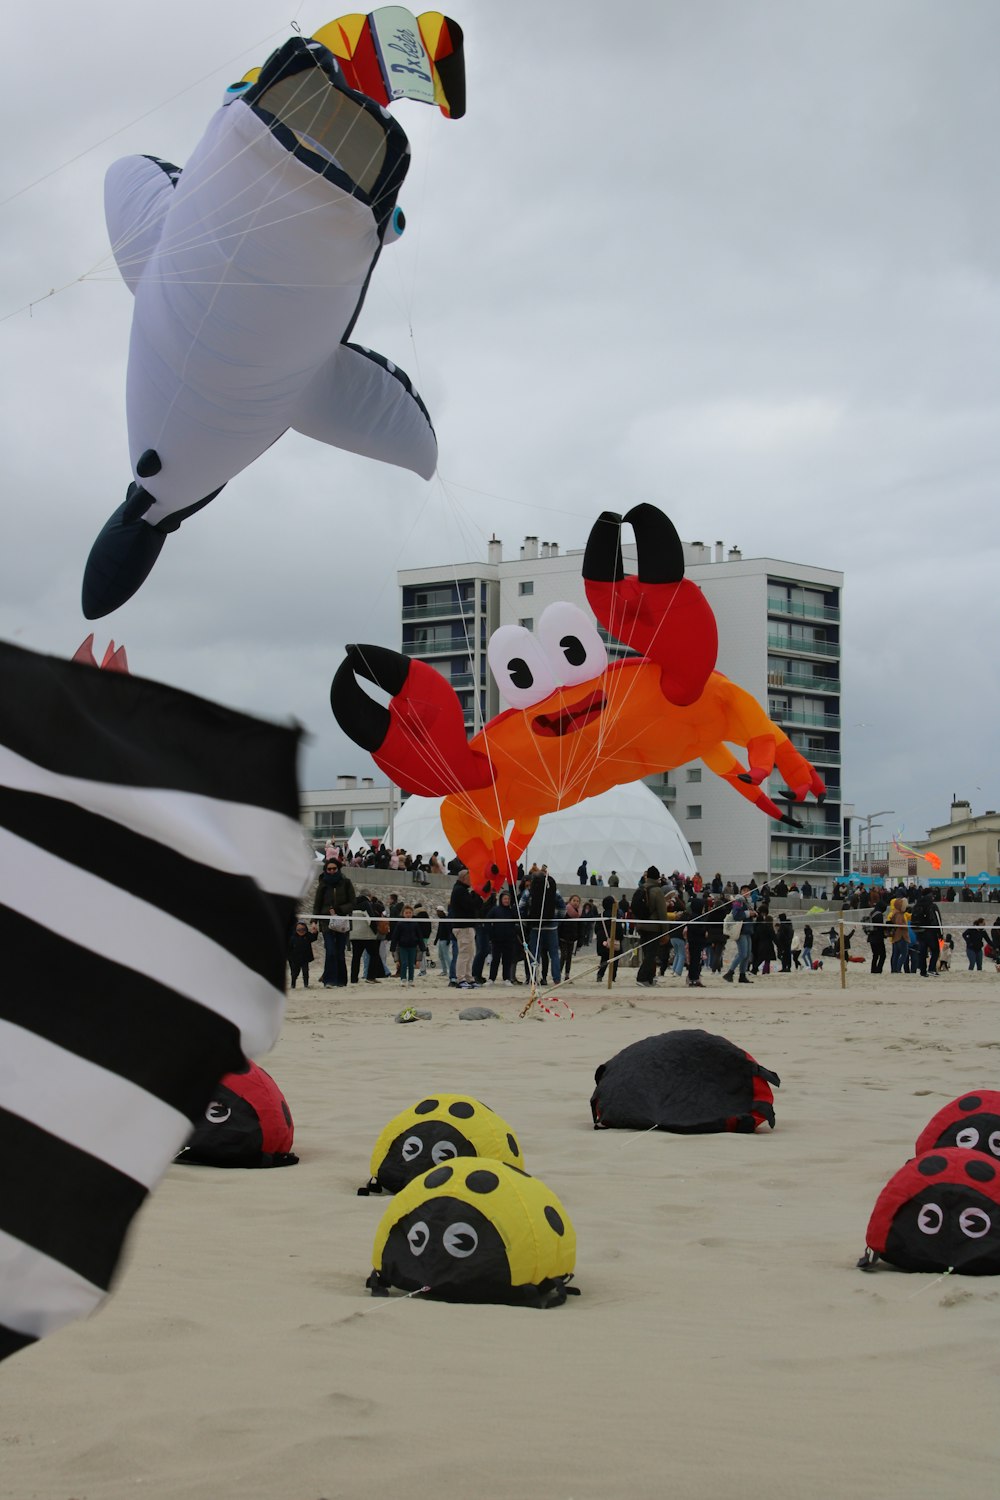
x: 476, y: 1230
x: 435, y: 1130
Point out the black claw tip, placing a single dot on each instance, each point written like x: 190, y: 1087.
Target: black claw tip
x: 602, y: 560
x: 386, y: 669
x: 745, y: 776
x: 792, y: 822
x: 363, y: 720
x: 659, y: 550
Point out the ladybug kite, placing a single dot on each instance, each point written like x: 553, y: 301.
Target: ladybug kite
x: 578, y: 723
x: 940, y: 1212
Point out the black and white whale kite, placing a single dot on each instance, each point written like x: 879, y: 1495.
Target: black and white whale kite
x: 249, y: 269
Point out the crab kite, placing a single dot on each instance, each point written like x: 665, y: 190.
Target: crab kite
x: 577, y: 723
x: 249, y: 269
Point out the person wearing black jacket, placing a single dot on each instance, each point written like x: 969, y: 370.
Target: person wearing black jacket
x: 974, y: 938
x: 335, y: 894
x: 365, y: 938
x: 602, y: 932
x: 697, y: 936
x: 300, y: 951
x: 465, y: 909
x: 783, y: 934
x: 926, y: 922
x: 504, y: 938
x: 875, y: 929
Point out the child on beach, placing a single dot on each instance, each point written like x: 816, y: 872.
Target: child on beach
x: 406, y: 940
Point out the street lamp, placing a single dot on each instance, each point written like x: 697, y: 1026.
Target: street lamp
x: 868, y: 820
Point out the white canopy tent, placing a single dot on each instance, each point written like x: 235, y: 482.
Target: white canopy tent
x: 626, y: 829
x: 357, y: 841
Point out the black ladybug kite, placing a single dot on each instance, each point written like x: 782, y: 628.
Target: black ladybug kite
x: 688, y: 1082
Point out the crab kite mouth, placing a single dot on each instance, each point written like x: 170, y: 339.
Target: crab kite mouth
x: 569, y: 720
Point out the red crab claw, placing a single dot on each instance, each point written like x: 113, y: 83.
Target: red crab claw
x: 657, y: 612
x: 419, y: 740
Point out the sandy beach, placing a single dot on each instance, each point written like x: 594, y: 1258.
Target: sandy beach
x: 724, y: 1343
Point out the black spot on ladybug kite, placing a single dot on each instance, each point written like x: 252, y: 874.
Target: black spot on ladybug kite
x: 476, y: 1230
x: 689, y: 1082
x: 247, y: 1123
x: 437, y: 1129
x: 971, y: 1121
x: 940, y: 1212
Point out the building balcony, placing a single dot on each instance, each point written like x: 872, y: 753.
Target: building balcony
x: 814, y: 721
x: 807, y: 868
x: 665, y: 793
x: 793, y: 610
x: 810, y: 682
x: 794, y: 646
x: 808, y: 830
x: 459, y: 645
x: 458, y: 609
x: 819, y: 757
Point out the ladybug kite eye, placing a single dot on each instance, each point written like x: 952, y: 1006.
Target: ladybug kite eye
x: 974, y: 1223
x: 412, y: 1148
x: 930, y: 1219
x: 521, y: 667
x: 217, y: 1113
x: 969, y: 1138
x: 572, y: 644
x: 443, y: 1151
x: 995, y: 1142
x: 417, y: 1237
x: 460, y: 1240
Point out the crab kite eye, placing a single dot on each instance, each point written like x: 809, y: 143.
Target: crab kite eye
x: 522, y: 669
x: 417, y: 1237
x: 969, y: 1138
x: 974, y: 1223
x: 930, y: 1219
x: 443, y: 1151
x: 572, y: 644
x: 460, y: 1240
x: 412, y: 1148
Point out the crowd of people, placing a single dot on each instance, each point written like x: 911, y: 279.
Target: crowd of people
x: 670, y: 927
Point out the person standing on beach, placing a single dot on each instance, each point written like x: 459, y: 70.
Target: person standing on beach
x: 464, y: 908
x: 405, y: 943
x: 740, y: 926
x: 300, y: 952
x: 875, y: 927
x: 899, y: 934
x: 974, y: 938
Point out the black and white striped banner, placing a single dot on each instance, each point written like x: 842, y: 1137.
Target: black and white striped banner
x: 151, y: 859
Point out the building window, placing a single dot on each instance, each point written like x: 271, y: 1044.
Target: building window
x: 528, y: 623
x: 958, y: 856
x: 695, y: 848
x: 694, y: 810
x: 693, y: 773
x: 525, y: 586
x: 327, y: 819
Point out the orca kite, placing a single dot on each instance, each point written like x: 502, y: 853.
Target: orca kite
x: 249, y: 269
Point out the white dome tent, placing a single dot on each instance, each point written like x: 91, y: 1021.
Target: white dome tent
x: 625, y: 829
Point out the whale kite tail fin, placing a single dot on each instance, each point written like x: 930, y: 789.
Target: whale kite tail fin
x: 125, y: 552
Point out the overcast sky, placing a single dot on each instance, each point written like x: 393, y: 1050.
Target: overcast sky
x: 738, y: 259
